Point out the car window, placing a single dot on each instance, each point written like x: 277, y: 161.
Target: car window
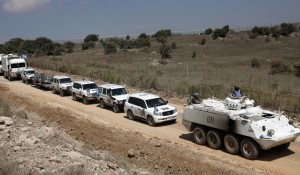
x: 141, y: 103
x: 65, y: 80
x: 155, y: 102
x: 132, y: 100
x: 100, y: 90
x: 104, y: 91
x: 89, y: 86
x: 119, y: 91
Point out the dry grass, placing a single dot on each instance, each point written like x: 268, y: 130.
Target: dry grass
x: 218, y: 65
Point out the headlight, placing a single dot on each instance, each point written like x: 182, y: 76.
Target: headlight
x: 271, y: 132
x: 120, y: 101
x: 157, y: 113
x: 175, y: 110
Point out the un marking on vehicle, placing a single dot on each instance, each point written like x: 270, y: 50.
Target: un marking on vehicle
x: 210, y: 119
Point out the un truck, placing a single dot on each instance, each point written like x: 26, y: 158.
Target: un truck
x: 12, y: 66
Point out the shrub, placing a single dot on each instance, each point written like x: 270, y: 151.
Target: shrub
x: 219, y: 33
x: 127, y: 37
x: 208, y: 31
x: 286, y: 29
x: 279, y: 67
x: 173, y: 44
x: 68, y: 47
x: 275, y: 32
x: 255, y: 62
x: 202, y: 41
x: 91, y: 37
x: 165, y: 51
x: 63, y: 69
x: 109, y: 47
x: 143, y: 36
x: 163, y: 33
x: 253, y: 35
x: 87, y: 45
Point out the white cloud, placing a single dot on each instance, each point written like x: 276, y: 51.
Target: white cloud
x: 17, y: 6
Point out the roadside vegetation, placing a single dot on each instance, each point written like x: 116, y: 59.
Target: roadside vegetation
x: 265, y: 66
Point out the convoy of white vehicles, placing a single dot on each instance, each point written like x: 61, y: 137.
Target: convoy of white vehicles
x: 234, y: 123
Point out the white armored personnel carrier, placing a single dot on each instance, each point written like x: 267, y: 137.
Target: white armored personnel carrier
x: 239, y: 126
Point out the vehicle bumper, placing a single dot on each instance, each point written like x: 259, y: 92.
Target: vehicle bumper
x: 160, y: 119
x: 267, y: 144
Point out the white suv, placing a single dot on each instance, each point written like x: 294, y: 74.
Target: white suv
x: 27, y: 75
x: 149, y: 107
x: 86, y: 90
x: 112, y: 95
x: 62, y: 85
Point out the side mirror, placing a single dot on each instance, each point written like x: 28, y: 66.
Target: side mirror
x: 167, y: 102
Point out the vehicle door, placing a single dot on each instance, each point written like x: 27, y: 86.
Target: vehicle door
x: 141, y: 108
x: 77, y: 88
x: 54, y: 83
x: 104, y: 95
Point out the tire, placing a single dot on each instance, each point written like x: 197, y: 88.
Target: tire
x: 53, y: 90
x: 214, y: 139
x: 74, y: 97
x: 61, y: 93
x: 102, y: 104
x: 9, y: 78
x: 249, y: 149
x: 85, y: 101
x: 200, y: 135
x: 232, y: 144
x: 130, y: 115
x: 23, y: 81
x: 150, y: 121
x: 115, y: 108
x: 27, y: 82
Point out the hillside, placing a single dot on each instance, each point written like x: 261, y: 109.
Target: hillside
x: 217, y: 65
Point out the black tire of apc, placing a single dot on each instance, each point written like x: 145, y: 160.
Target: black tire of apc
x: 232, y: 144
x: 254, y: 152
x: 214, y: 134
x: 200, y: 135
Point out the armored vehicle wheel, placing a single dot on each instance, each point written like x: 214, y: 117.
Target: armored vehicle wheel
x: 231, y: 144
x: 249, y: 149
x: 9, y: 78
x: 53, y: 90
x: 214, y: 139
x: 27, y: 81
x: 85, y: 100
x: 61, y: 93
x: 23, y: 81
x: 115, y: 108
x: 130, y: 115
x: 74, y: 97
x: 200, y: 135
x: 102, y: 104
x: 150, y: 121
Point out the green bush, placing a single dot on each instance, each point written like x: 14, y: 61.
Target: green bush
x: 219, y: 33
x: 202, y: 41
x: 91, y: 37
x: 286, y: 29
x: 253, y: 35
x: 165, y: 51
x: 87, y: 45
x: 163, y: 33
x: 208, y: 31
x: 68, y: 47
x: 109, y: 47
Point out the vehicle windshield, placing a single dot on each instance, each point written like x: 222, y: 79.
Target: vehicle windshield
x: 30, y: 72
x: 155, y: 102
x: 65, y: 80
x: 18, y: 65
x: 89, y: 86
x: 119, y: 91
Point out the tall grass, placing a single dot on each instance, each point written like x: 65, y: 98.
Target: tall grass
x: 218, y: 66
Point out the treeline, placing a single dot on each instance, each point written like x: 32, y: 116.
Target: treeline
x: 285, y: 29
x: 38, y: 47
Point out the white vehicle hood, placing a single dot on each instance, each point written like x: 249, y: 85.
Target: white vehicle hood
x: 164, y: 108
x: 121, y: 97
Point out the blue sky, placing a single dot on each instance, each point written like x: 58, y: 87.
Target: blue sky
x: 74, y: 19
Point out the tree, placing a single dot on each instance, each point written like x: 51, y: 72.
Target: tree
x: 87, y: 45
x: 144, y: 36
x: 163, y: 33
x: 219, y: 33
x: 127, y: 37
x: 12, y: 46
x: 68, y: 47
x: 58, y: 49
x: 208, y: 31
x: 287, y: 29
x: 27, y: 47
x: 226, y: 29
x: 91, y: 37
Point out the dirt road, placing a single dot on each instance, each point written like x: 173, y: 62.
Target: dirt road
x: 178, y: 151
